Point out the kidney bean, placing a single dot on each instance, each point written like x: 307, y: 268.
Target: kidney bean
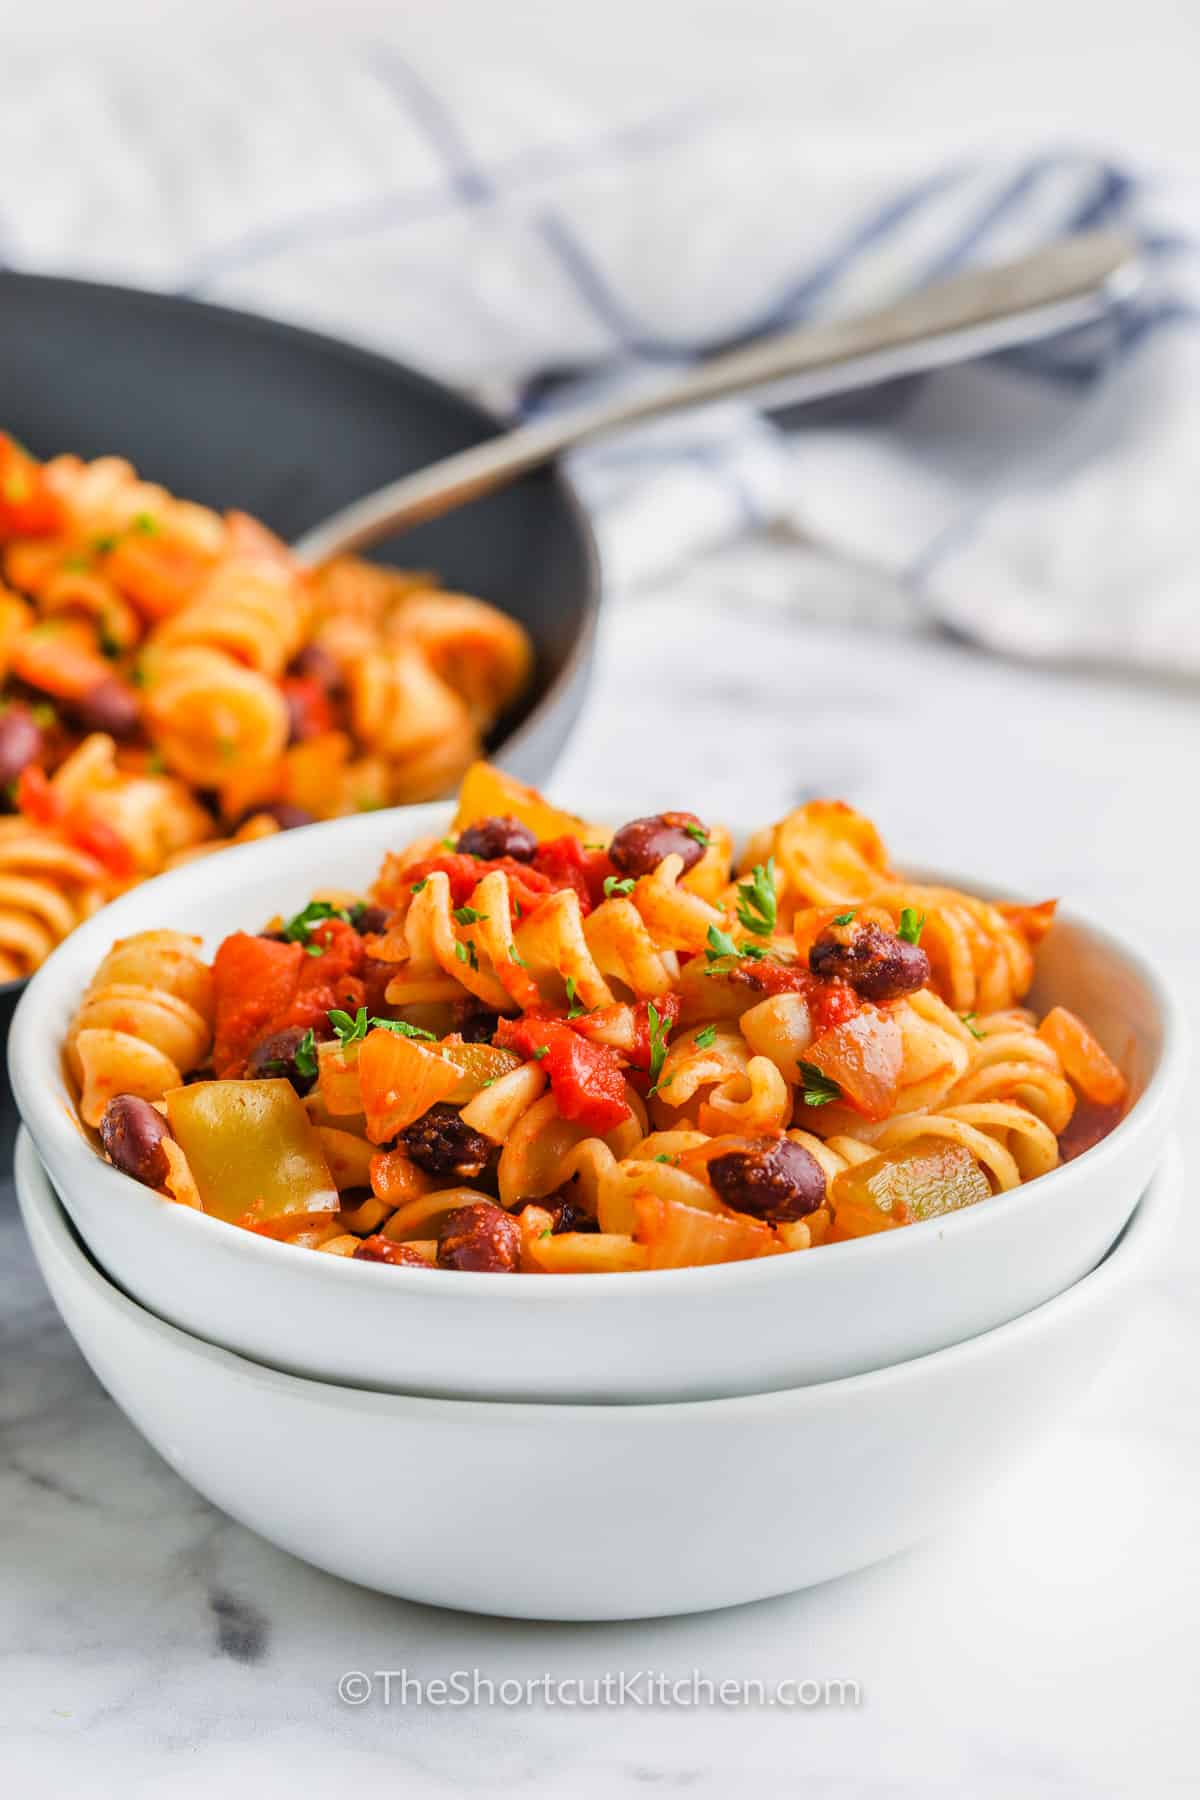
x: 877, y: 964
x: 370, y: 921
x: 314, y: 663
x: 480, y: 1237
x: 274, y: 1058
x: 778, y: 1181
x: 491, y: 839
x: 441, y: 1144
x: 132, y: 1134
x: 110, y: 706
x: 639, y: 847
x: 381, y: 1249
x: 285, y: 815
x: 21, y: 742
x: 475, y: 1024
x: 566, y: 1213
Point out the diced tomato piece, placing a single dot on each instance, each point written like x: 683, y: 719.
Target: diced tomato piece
x: 587, y: 1080
x: 309, y: 707
x: 28, y: 505
x: 667, y: 1008
x: 36, y: 798
x: 526, y: 887
x: 830, y: 1002
x: 567, y: 864
x: 255, y: 981
x: 863, y: 1055
x: 332, y: 979
x: 106, y: 845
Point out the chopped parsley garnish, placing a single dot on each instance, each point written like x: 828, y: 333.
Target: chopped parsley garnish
x: 147, y: 524
x: 43, y: 715
x: 658, y: 1043
x: 613, y: 884
x: 844, y: 918
x: 466, y: 915
x: 104, y: 543
x: 418, y: 887
x: 466, y: 954
x: 912, y: 923
x: 305, y: 1055
x: 819, y: 1088
x: 968, y: 1020
x: 542, y: 1050
x: 76, y: 565
x: 514, y: 955
x: 575, y: 1010
x: 698, y: 833
x: 298, y: 930
x: 156, y: 763
x: 663, y: 1157
x: 722, y: 953
x: 448, y: 843
x: 353, y: 1030
x: 706, y: 1037
x: 756, y: 908
x: 549, y: 1232
x: 137, y: 676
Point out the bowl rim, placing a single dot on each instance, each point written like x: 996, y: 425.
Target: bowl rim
x: 1142, y: 1236
x: 48, y: 1119
x: 490, y: 420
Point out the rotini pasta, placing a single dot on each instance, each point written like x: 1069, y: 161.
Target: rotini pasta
x: 542, y: 1048
x: 209, y: 657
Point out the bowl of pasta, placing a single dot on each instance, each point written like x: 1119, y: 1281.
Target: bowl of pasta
x: 172, y: 679
x: 529, y: 1108
x: 835, y: 1476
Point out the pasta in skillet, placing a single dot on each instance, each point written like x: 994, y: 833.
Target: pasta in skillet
x: 202, y: 687
x: 540, y: 1047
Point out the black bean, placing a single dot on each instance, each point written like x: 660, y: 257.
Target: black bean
x: 490, y: 839
x: 878, y: 964
x: 111, y: 706
x: 778, y: 1180
x: 286, y: 816
x: 314, y: 663
x: 132, y: 1133
x: 370, y: 921
x: 639, y: 847
x: 480, y: 1237
x: 274, y: 1058
x: 21, y: 742
x: 441, y: 1144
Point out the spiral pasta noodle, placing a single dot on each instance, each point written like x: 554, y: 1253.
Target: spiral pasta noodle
x: 145, y: 1021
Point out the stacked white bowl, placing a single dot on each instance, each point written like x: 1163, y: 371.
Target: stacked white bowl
x: 714, y: 1435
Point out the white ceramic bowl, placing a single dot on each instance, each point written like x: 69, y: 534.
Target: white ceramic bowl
x: 670, y: 1508
x: 666, y: 1335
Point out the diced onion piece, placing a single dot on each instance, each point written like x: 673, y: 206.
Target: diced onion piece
x: 864, y: 1056
x: 252, y: 1150
x: 399, y: 1080
x: 1084, y: 1059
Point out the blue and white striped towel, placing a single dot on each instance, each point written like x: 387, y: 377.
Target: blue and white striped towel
x: 1043, y: 503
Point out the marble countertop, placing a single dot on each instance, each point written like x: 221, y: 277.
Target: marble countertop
x: 1046, y: 1646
